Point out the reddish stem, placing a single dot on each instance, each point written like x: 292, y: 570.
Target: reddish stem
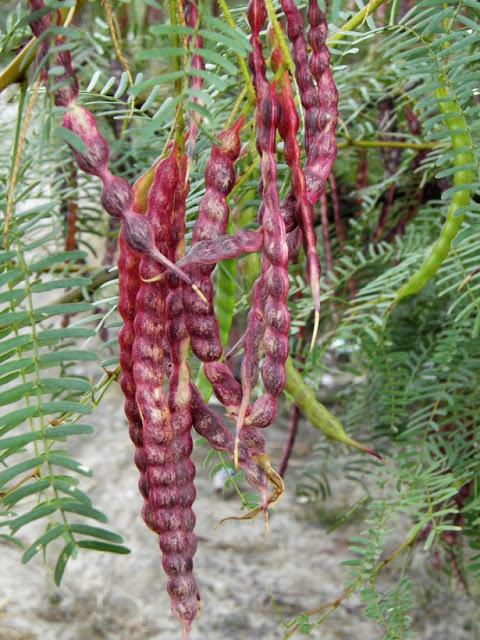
x: 292, y: 434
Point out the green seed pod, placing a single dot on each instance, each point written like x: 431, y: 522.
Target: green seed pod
x: 460, y: 140
x: 317, y: 413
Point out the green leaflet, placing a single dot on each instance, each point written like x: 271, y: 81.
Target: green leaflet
x: 62, y: 560
x: 50, y: 433
x: 41, y: 542
x: 25, y: 490
x: 103, y: 546
x: 96, y: 532
x: 61, y: 460
x: 41, y: 511
x: 56, y: 258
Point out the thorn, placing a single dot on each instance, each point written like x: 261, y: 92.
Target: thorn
x: 265, y: 511
x: 242, y: 411
x: 468, y: 278
x: 361, y: 447
x: 200, y: 294
x: 315, y: 330
x: 235, y: 451
x: 372, y: 452
x: 154, y: 279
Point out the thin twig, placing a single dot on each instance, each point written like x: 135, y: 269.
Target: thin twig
x: 390, y: 144
x: 357, y: 21
x: 18, y: 157
x: 113, y: 33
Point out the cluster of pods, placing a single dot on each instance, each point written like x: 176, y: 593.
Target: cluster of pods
x: 166, y: 294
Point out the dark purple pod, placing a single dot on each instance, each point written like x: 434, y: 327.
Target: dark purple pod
x: 306, y: 84
x: 263, y: 413
x: 225, y: 387
x: 212, y: 221
x: 204, y: 349
x: 257, y: 16
x: 220, y: 176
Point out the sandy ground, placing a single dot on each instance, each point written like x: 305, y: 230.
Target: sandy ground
x: 123, y: 597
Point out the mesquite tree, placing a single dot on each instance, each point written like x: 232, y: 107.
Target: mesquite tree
x: 312, y: 165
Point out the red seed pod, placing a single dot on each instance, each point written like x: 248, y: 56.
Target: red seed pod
x: 212, y: 221
x: 257, y: 16
x: 277, y: 318
x: 117, y: 195
x: 322, y: 154
x: 94, y: 160
x: 213, y: 211
x: 129, y: 285
x: 179, y: 401
x: 306, y: 84
x: 166, y: 425
x: 253, y: 345
x: 271, y: 289
x: 288, y: 128
x: 226, y: 247
x: 177, y: 228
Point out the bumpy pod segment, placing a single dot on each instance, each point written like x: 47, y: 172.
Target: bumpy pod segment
x: 212, y: 221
